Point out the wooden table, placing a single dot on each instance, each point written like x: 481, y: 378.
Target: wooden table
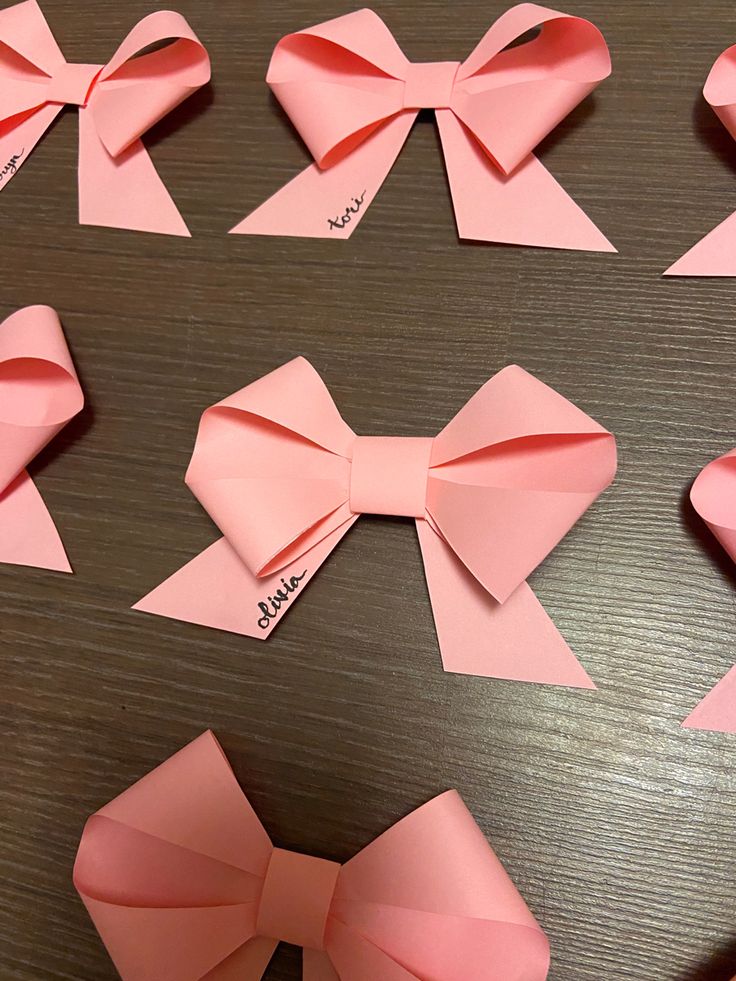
x: 616, y: 824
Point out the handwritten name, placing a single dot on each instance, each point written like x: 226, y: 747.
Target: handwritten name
x: 270, y: 609
x: 342, y: 220
x: 12, y: 165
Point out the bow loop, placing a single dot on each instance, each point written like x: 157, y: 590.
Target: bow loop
x: 433, y: 875
x: 352, y: 68
x: 136, y: 90
x: 525, y: 464
x: 426, y: 899
x: 511, y: 98
x: 713, y: 496
x: 280, y: 444
x: 29, y: 58
x: 720, y: 89
x: 123, y: 866
x: 27, y: 46
x: 39, y: 394
x: 39, y: 388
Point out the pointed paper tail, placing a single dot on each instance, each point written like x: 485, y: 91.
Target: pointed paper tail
x: 717, y: 711
x: 331, y: 203
x: 527, y: 207
x: 714, y: 255
x: 28, y: 535
x: 515, y: 640
x: 124, y: 191
x: 216, y: 590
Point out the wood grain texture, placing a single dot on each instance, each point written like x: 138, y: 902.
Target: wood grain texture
x: 616, y: 824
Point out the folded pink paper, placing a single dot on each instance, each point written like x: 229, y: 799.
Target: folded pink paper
x: 714, y: 498
x: 39, y: 394
x: 184, y: 884
x: 118, y: 102
x: 715, y: 255
x: 353, y: 96
x: 284, y: 478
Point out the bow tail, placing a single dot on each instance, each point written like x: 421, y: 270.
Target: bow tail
x: 19, y: 135
x: 515, y: 640
x: 526, y: 207
x: 717, y: 711
x: 124, y: 191
x: 714, y: 255
x: 330, y: 203
x: 216, y: 589
x: 28, y: 535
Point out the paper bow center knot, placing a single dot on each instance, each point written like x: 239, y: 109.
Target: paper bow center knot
x: 429, y: 85
x: 389, y: 475
x: 296, y: 899
x: 72, y: 84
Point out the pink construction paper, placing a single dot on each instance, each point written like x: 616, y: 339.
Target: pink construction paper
x: 714, y: 498
x: 39, y: 394
x: 183, y: 884
x: 715, y: 255
x: 284, y: 478
x: 118, y: 102
x: 353, y: 96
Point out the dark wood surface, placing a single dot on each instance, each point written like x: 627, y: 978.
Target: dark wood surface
x: 616, y: 824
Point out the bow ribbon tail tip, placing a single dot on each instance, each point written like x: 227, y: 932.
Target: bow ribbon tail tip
x: 330, y: 203
x: 214, y: 589
x: 717, y: 711
x: 515, y: 640
x: 713, y: 255
x: 28, y: 535
x: 527, y: 207
x: 124, y: 191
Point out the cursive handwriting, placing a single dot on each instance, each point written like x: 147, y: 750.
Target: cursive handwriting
x: 343, y: 220
x: 276, y: 601
x: 12, y: 165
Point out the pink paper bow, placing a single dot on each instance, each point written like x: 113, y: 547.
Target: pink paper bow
x: 353, y: 96
x: 715, y: 255
x: 118, y: 103
x: 39, y: 394
x: 284, y: 478
x: 183, y: 884
x: 714, y: 498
